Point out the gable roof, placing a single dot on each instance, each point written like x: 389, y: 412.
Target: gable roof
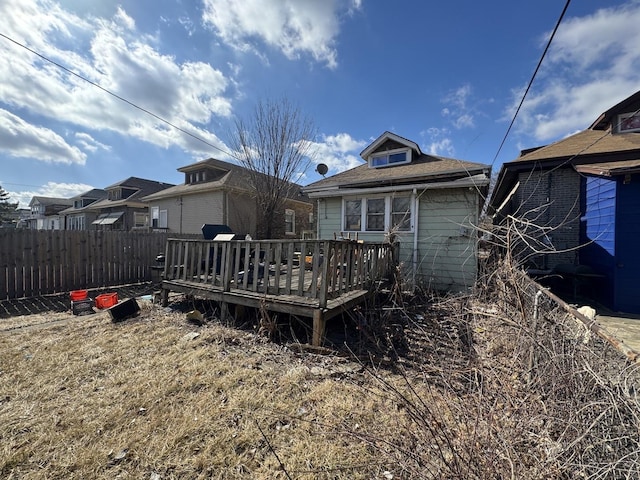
x: 422, y: 168
x: 598, y: 150
x: 389, y: 136
x: 48, y: 201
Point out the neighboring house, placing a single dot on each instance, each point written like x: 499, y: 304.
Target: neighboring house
x: 45, y: 213
x: 217, y: 192
x: 123, y: 208
x: 78, y: 217
x: 431, y: 204
x: 584, y: 191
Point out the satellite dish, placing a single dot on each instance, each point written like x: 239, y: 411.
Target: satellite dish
x: 322, y: 169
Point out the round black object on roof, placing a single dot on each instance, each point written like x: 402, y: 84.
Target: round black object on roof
x: 322, y: 169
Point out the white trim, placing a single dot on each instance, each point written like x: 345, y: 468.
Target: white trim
x: 388, y: 136
x: 387, y: 154
x: 387, y: 213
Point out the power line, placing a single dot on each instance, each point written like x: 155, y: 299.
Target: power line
x: 157, y: 117
x: 544, y: 53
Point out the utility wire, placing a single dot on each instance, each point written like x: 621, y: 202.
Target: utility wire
x: 544, y: 53
x: 157, y: 117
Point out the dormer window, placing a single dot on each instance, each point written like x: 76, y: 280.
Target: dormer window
x: 115, y: 194
x: 197, y: 177
x: 629, y: 122
x: 390, y: 157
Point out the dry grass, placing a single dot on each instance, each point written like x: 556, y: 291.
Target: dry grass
x: 469, y: 388
x: 142, y: 399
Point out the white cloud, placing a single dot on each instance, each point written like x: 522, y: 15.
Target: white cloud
x: 20, y: 139
x: 87, y: 142
x: 295, y: 27
x: 50, y: 189
x: 339, y: 152
x: 120, y: 59
x: 438, y: 142
x: 593, y: 63
x: 458, y: 111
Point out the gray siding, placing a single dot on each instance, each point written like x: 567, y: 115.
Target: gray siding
x: 187, y: 214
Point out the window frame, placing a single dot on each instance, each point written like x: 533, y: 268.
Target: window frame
x: 145, y: 220
x: 625, y: 116
x: 156, y: 217
x: 289, y: 213
x: 387, y: 154
x: 387, y: 213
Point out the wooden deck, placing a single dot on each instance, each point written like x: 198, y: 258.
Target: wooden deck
x: 314, y: 278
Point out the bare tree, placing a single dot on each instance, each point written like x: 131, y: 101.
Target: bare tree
x: 276, y: 146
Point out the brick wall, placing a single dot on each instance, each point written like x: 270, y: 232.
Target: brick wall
x: 550, y: 201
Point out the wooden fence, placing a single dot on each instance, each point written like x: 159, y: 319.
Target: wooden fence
x: 39, y: 262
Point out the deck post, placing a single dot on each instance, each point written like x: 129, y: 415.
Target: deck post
x: 164, y: 297
x: 318, y: 327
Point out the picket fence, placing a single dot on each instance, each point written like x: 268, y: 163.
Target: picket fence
x: 41, y: 262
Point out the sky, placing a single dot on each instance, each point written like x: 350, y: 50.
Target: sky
x: 445, y: 75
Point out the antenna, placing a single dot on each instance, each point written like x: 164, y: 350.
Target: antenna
x: 322, y: 169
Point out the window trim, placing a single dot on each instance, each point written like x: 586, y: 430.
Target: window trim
x: 388, y: 214
x: 625, y: 116
x: 288, y: 212
x: 156, y: 217
x: 389, y: 153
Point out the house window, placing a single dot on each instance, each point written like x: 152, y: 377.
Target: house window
x: 401, y: 213
x: 352, y: 215
x: 158, y: 218
x: 390, y: 157
x: 140, y: 220
x: 378, y: 214
x: 115, y: 194
x: 629, y: 122
x: 76, y: 222
x: 289, y: 221
x: 375, y: 214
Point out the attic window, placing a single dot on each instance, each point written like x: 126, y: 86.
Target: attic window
x: 629, y: 122
x: 389, y: 158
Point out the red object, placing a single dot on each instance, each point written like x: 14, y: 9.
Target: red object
x: 77, y: 295
x: 106, y: 300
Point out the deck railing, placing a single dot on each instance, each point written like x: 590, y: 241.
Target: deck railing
x: 318, y: 269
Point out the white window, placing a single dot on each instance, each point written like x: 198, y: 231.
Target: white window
x: 352, y: 215
x: 158, y: 218
x: 378, y: 214
x: 76, y: 222
x: 401, y: 213
x: 289, y: 221
x: 390, y: 157
x: 375, y: 214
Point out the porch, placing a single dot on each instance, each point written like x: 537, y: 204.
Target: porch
x: 310, y: 278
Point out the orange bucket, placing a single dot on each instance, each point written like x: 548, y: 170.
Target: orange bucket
x: 106, y: 300
x: 77, y: 295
